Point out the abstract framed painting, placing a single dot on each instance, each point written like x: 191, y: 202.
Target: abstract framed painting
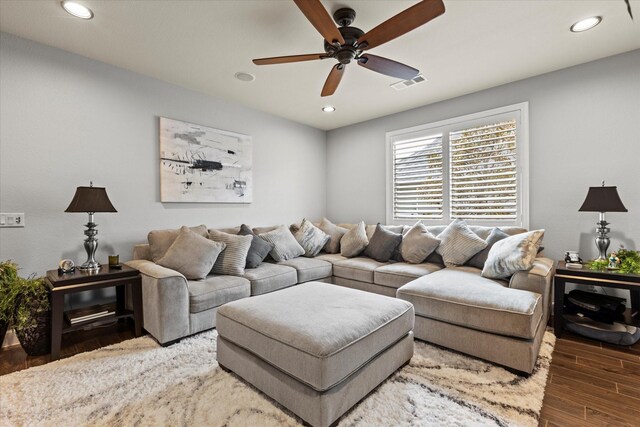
x: 199, y: 164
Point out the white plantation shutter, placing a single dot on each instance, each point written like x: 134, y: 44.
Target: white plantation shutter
x: 417, y: 178
x: 483, y: 172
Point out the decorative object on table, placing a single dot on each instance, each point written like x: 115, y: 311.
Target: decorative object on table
x: 602, y: 199
x: 628, y: 261
x: 91, y: 200
x: 202, y: 164
x: 114, y: 260
x: 572, y: 256
x: 614, y: 262
x: 66, y: 266
x: 8, y: 275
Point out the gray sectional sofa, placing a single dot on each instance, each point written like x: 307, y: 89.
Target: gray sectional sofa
x: 497, y: 320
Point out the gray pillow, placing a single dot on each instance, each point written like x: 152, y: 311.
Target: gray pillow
x: 513, y: 254
x: 354, y: 241
x: 161, y: 240
x: 418, y: 244
x: 480, y: 258
x: 382, y: 244
x: 233, y: 259
x: 285, y: 246
x: 335, y: 234
x: 458, y: 243
x: 191, y: 254
x: 258, y: 250
x: 311, y: 238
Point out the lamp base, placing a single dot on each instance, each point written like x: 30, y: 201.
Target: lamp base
x: 91, y: 245
x: 90, y: 266
x: 602, y: 240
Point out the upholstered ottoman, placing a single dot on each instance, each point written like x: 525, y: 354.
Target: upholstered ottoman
x: 317, y: 349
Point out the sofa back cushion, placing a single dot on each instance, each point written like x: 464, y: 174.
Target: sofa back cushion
x: 161, y: 240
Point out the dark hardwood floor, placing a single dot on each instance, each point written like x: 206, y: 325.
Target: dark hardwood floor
x: 590, y: 384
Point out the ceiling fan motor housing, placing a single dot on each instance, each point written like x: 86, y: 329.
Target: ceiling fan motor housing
x: 347, y: 52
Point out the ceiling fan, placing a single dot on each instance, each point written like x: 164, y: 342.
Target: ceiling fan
x: 347, y: 43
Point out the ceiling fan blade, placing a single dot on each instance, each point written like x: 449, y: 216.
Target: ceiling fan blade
x: 402, y: 23
x: 291, y: 58
x: 387, y: 66
x: 319, y: 17
x: 333, y: 80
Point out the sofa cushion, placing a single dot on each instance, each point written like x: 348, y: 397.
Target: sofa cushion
x: 480, y: 258
x: 459, y: 295
x: 332, y: 258
x: 513, y: 254
x: 383, y: 244
x: 234, y: 257
x: 259, y: 248
x: 335, y: 235
x: 354, y: 241
x: 268, y: 277
x: 360, y: 268
x: 285, y: 245
x: 309, y: 268
x: 399, y: 273
x: 311, y: 238
x: 458, y: 243
x: 318, y: 347
x: 215, y: 291
x: 161, y: 240
x: 417, y: 244
x: 191, y: 254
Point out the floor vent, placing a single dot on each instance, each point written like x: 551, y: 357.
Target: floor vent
x: 406, y: 83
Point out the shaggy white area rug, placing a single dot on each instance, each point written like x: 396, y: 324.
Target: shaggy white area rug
x: 137, y: 382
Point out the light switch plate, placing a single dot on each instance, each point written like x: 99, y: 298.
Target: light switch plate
x: 11, y: 220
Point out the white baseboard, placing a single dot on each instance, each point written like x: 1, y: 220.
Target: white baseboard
x: 10, y: 339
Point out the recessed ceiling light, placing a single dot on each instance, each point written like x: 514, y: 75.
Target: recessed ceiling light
x: 245, y: 77
x: 77, y: 10
x: 586, y: 24
x: 329, y: 109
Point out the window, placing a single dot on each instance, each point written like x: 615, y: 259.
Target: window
x: 473, y: 167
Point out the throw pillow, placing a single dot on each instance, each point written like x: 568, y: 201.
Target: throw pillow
x: 285, y: 246
x: 161, y: 240
x: 335, y: 234
x: 191, y: 254
x: 458, y: 243
x: 383, y: 243
x: 354, y: 241
x: 234, y: 258
x: 258, y: 250
x: 418, y: 244
x: 513, y: 254
x: 480, y: 258
x: 311, y: 238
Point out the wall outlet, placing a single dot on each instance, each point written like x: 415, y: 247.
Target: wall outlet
x: 11, y: 220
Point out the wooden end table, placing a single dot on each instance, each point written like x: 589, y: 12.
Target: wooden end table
x: 585, y: 276
x: 78, y: 281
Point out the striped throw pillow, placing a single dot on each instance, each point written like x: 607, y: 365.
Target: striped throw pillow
x: 233, y: 258
x: 458, y: 243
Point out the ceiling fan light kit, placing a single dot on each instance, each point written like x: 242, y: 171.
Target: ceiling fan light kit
x: 347, y: 44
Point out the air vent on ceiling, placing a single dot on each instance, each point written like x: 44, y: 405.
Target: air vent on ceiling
x: 406, y: 83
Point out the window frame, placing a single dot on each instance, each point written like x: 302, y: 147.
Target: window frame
x: 519, y: 112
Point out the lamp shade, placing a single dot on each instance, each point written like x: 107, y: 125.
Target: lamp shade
x: 602, y: 199
x: 91, y: 199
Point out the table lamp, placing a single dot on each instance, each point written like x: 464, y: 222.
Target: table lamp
x: 602, y: 199
x: 91, y: 200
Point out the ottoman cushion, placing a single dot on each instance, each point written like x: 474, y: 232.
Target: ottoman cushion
x: 328, y: 331
x: 462, y: 297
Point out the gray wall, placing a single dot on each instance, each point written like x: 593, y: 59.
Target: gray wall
x: 66, y: 120
x: 584, y: 125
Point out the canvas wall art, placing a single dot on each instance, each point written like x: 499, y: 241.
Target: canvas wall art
x: 203, y: 165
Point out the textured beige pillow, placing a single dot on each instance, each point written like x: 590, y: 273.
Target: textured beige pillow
x: 191, y: 254
x: 311, y: 238
x: 458, y: 243
x: 161, y: 240
x: 417, y: 244
x: 285, y: 245
x: 513, y: 254
x: 233, y: 259
x: 335, y: 234
x: 354, y: 241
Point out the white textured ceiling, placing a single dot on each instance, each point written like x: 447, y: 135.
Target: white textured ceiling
x: 200, y: 45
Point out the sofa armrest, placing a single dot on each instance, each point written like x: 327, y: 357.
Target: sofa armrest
x: 165, y: 301
x: 538, y: 279
x: 142, y: 251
